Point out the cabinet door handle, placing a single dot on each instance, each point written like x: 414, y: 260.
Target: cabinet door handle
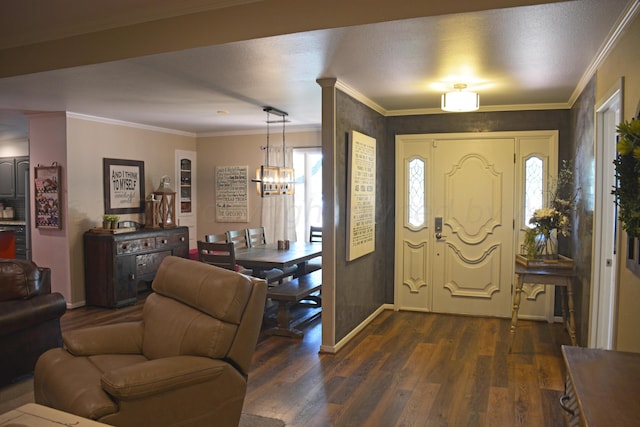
x: 146, y: 244
x: 564, y: 398
x: 182, y: 239
x: 164, y: 241
x: 132, y: 276
x: 125, y: 247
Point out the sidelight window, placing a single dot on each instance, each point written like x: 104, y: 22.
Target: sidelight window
x: 533, y: 187
x: 416, y: 192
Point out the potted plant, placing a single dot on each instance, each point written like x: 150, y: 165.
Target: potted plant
x: 110, y: 221
x: 627, y: 188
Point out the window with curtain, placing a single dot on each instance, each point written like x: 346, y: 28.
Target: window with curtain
x: 307, y: 163
x: 278, y: 212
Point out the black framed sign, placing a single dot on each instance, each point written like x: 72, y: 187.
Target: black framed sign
x: 123, y: 186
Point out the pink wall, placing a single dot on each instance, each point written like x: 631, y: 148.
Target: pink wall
x: 50, y: 247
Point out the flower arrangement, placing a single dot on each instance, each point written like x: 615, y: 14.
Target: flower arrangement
x: 549, y: 222
x: 627, y: 189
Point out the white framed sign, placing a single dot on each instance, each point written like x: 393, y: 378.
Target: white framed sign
x: 232, y: 193
x: 361, y: 196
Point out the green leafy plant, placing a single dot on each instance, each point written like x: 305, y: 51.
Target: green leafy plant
x: 627, y: 188
x: 110, y: 218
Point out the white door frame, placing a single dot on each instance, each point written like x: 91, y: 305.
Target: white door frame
x: 537, y: 308
x: 603, y: 266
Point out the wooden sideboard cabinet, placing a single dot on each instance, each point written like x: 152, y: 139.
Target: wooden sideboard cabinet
x: 115, y: 263
x: 602, y: 387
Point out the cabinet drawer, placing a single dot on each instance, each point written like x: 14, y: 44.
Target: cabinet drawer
x: 137, y: 245
x: 149, y: 263
x: 171, y: 240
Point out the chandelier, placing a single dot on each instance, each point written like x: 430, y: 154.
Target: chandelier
x: 273, y: 180
x: 459, y: 100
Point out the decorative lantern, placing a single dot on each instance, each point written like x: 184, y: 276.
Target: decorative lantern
x: 152, y: 212
x: 166, y: 198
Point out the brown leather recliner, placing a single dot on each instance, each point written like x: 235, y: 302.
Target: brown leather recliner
x: 29, y: 317
x: 186, y: 363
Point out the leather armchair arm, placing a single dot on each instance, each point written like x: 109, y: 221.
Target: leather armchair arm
x: 20, y: 314
x: 160, y: 375
x: 119, y: 338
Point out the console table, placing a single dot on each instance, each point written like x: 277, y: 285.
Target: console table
x: 602, y: 387
x: 115, y: 263
x: 550, y: 275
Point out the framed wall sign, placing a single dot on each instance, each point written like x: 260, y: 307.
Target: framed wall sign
x: 123, y: 186
x: 232, y: 193
x: 47, y: 196
x: 361, y: 196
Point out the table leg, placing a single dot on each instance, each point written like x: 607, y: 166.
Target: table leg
x: 514, y: 311
x: 283, y: 327
x: 572, y: 321
x: 301, y: 269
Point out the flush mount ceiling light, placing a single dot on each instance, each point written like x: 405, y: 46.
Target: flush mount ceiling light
x: 460, y: 100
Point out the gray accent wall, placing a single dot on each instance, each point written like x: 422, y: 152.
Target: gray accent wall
x: 581, y: 149
x: 364, y: 284
x: 361, y: 284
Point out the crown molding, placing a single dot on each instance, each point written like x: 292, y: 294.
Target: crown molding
x: 290, y: 129
x: 360, y: 97
x: 128, y: 124
x: 626, y: 18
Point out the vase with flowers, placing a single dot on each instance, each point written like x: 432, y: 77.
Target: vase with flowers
x: 548, y: 223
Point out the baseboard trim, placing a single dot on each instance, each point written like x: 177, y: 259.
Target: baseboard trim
x: 333, y: 349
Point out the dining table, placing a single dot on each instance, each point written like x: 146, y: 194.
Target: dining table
x: 260, y: 258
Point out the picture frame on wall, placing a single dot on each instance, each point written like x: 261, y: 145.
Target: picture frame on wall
x: 232, y: 193
x: 47, y: 196
x: 123, y: 182
x: 361, y: 195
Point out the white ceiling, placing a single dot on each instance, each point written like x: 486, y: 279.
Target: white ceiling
x: 529, y: 57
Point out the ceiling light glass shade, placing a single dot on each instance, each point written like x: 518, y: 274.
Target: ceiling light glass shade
x: 460, y: 101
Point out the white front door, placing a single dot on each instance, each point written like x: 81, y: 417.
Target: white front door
x: 456, y: 253
x: 472, y: 197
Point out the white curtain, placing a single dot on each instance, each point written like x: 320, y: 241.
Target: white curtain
x: 278, y: 212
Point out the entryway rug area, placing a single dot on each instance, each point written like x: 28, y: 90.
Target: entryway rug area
x: 21, y: 392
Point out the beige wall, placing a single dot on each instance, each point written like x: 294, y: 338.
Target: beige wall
x: 624, y: 61
x: 236, y: 150
x: 88, y: 142
x: 79, y: 146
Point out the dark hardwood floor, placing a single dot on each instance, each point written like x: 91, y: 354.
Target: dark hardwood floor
x: 404, y: 369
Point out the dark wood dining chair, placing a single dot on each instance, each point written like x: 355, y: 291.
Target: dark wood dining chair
x: 216, y: 238
x: 315, y: 236
x: 256, y: 236
x: 218, y: 254
x: 238, y: 238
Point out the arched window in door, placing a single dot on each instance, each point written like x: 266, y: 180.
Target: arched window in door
x: 533, y: 187
x: 416, y: 192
